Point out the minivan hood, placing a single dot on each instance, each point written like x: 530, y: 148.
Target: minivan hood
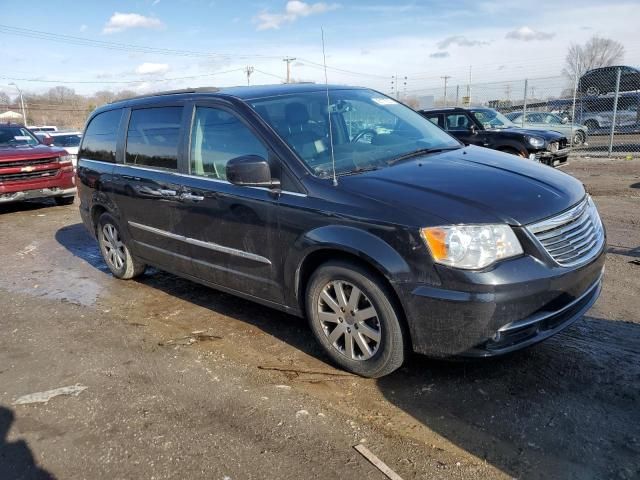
x: 470, y: 185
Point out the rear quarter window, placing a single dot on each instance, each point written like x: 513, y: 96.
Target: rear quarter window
x: 100, y: 137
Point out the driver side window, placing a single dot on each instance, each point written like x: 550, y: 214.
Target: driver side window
x: 217, y: 136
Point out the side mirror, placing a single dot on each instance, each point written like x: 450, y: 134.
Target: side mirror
x: 473, y: 130
x: 47, y: 140
x: 250, y: 171
x: 565, y: 120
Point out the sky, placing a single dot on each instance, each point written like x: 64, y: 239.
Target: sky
x: 148, y: 45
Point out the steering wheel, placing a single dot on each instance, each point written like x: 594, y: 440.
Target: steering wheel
x: 362, y: 133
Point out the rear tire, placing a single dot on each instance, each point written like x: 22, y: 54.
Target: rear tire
x: 64, y: 200
x: 353, y: 317
x: 591, y: 124
x: 114, y: 249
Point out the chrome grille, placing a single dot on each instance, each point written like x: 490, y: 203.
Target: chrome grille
x: 573, y: 237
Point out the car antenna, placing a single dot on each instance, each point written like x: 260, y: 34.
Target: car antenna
x: 326, y: 84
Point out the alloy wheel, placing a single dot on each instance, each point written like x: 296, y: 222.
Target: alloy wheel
x: 114, y: 252
x: 349, y: 320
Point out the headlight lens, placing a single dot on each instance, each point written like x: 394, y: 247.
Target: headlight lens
x: 536, y: 142
x: 593, y: 212
x: 471, y: 246
x: 66, y: 158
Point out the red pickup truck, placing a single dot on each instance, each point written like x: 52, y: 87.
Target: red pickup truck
x: 29, y: 169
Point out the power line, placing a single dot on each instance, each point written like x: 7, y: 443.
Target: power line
x: 80, y: 41
x: 41, y: 80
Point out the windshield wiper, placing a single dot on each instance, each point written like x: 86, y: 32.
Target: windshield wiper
x: 359, y: 170
x: 421, y: 151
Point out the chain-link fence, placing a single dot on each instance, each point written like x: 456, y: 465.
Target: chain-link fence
x: 599, y: 113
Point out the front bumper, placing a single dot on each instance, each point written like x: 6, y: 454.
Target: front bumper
x: 63, y: 184
x: 518, y: 303
x: 546, y: 155
x: 37, y: 193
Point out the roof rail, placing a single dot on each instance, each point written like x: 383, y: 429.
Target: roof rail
x: 172, y: 92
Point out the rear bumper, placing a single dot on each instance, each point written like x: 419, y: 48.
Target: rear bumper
x: 518, y: 303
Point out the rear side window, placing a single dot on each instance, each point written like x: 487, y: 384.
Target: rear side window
x: 458, y: 121
x: 152, y: 137
x: 101, y: 135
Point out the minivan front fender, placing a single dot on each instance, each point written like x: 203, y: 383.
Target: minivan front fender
x: 362, y: 244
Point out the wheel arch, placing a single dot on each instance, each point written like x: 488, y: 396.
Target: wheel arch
x: 323, y: 255
x: 349, y: 244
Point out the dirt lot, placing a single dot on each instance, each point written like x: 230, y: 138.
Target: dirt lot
x: 251, y: 396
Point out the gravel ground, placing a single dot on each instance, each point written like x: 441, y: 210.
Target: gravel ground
x: 249, y: 395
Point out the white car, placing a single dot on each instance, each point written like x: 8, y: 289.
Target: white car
x: 43, y: 128
x: 70, y: 141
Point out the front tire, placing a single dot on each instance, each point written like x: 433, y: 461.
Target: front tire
x: 353, y: 317
x: 578, y: 138
x: 114, y: 250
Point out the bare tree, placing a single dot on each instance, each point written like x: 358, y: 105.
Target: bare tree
x: 597, y: 52
x: 4, y: 99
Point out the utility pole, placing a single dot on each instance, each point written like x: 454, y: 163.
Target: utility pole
x: 248, y: 70
x: 395, y: 85
x: 288, y: 60
x: 507, y: 90
x: 24, y: 115
x: 446, y: 79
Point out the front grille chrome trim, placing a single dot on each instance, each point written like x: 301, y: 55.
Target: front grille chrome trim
x: 571, y: 238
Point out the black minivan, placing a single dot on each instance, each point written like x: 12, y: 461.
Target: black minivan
x: 342, y: 205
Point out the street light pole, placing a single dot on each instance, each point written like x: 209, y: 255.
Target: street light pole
x: 24, y: 115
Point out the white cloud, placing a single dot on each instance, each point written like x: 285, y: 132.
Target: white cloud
x: 152, y: 68
x: 123, y: 21
x: 527, y: 34
x: 292, y: 11
x: 439, y: 55
x: 460, y: 41
x: 83, y: 28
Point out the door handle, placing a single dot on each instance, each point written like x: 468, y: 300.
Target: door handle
x: 188, y: 196
x: 167, y: 193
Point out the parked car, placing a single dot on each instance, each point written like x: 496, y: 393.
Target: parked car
x: 30, y: 169
x: 43, y: 128
x: 551, y: 121
x: 387, y: 239
x: 488, y: 128
x: 600, y: 114
x: 603, y: 80
x: 69, y: 140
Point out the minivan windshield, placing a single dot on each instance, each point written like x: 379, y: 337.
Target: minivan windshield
x: 369, y: 130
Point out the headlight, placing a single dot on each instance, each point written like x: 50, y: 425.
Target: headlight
x: 66, y: 158
x: 471, y: 246
x: 593, y: 212
x: 536, y: 142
